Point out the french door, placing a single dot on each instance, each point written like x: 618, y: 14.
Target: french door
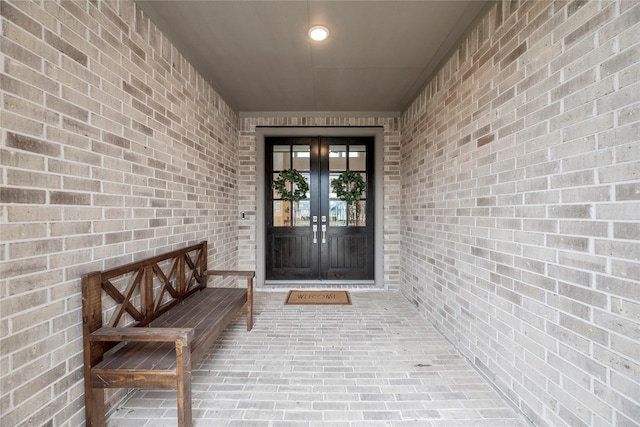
x: 320, y: 237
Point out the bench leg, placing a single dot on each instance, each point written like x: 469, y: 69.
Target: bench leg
x: 183, y: 386
x: 249, y: 303
x: 94, y: 406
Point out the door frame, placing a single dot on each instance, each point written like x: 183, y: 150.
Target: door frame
x: 371, y: 131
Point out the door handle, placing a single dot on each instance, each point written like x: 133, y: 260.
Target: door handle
x: 324, y: 234
x: 315, y: 233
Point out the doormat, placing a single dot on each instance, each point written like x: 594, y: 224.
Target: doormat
x: 319, y: 297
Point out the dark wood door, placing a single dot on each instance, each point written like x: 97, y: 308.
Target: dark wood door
x: 320, y: 237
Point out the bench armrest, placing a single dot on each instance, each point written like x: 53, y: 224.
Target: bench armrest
x: 241, y: 273
x: 107, y: 334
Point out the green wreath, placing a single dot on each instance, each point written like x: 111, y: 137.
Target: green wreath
x: 349, y: 186
x: 298, y: 181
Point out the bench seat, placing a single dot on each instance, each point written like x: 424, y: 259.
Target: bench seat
x: 208, y: 312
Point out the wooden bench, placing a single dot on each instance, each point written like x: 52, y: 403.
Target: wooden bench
x: 145, y: 325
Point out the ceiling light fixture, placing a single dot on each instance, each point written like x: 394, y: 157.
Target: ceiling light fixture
x: 318, y: 32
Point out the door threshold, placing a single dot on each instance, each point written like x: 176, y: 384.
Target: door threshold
x: 320, y: 283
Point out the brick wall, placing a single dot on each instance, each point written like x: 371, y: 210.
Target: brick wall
x: 521, y: 207
x: 113, y: 149
x: 518, y: 167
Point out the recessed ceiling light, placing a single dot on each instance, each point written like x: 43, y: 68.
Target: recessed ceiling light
x: 318, y: 32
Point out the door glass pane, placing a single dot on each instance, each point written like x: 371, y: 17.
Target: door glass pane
x: 332, y: 194
x: 301, y: 157
x: 289, y: 185
x: 301, y: 213
x: 281, y: 213
x: 337, y: 157
x: 281, y: 158
x: 357, y: 158
x: 337, y: 213
x: 277, y: 195
x: 364, y: 193
x: 357, y: 214
x: 307, y: 177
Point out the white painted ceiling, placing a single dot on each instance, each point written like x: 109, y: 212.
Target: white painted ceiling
x: 257, y: 55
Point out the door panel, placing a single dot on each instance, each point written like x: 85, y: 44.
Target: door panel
x: 348, y: 254
x: 291, y: 253
x: 341, y: 246
x: 292, y: 257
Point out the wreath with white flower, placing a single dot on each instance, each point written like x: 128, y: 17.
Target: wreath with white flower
x: 296, y: 181
x: 349, y: 186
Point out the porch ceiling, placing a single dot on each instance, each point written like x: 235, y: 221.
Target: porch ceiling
x: 258, y: 57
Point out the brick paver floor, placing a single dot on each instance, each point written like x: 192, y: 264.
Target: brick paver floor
x: 374, y: 363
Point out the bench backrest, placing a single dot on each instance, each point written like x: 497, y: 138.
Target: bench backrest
x: 139, y: 292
